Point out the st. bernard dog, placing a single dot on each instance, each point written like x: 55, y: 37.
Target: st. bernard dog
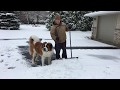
x: 47, y: 52
x: 37, y: 48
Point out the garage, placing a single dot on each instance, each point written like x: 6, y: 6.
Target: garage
x: 106, y: 27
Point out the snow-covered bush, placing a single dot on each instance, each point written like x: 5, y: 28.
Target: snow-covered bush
x: 74, y: 19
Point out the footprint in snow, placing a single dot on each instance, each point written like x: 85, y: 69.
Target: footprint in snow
x: 2, y: 55
x: 17, y: 59
x: 6, y: 64
x: 11, y: 67
x: 8, y: 56
x: 1, y: 61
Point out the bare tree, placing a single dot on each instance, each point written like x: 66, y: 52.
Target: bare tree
x: 32, y: 16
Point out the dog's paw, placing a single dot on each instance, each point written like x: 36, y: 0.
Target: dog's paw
x: 33, y: 65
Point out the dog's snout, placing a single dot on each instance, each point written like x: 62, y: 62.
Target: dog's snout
x: 45, y: 49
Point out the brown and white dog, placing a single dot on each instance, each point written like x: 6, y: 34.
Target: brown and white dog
x: 37, y: 48
x: 47, y: 52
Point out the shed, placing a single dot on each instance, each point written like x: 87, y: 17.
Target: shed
x: 106, y: 26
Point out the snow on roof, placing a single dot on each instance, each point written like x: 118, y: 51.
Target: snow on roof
x: 10, y: 14
x: 99, y: 13
x: 6, y: 14
x: 2, y: 14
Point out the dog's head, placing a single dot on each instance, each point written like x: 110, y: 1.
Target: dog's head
x: 47, y: 46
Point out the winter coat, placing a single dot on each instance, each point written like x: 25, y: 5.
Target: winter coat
x: 58, y: 32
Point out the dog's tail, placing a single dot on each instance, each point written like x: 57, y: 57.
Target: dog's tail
x: 31, y: 41
x: 31, y: 46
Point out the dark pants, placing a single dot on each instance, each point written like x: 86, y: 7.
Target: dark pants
x: 58, y: 47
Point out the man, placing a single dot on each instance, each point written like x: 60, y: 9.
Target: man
x: 58, y: 34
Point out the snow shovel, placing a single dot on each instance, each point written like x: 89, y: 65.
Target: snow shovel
x: 71, y: 47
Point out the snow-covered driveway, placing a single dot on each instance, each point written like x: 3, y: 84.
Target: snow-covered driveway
x: 92, y: 63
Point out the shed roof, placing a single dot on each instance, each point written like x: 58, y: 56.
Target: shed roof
x: 100, y: 13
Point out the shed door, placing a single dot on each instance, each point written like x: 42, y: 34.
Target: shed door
x: 106, y: 27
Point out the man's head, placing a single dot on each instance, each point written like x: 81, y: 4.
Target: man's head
x: 57, y: 19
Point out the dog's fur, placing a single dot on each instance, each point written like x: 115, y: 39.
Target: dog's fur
x: 37, y: 48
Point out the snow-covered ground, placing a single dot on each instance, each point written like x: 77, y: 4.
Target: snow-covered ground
x: 91, y: 64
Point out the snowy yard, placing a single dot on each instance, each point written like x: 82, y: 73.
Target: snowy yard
x: 91, y: 64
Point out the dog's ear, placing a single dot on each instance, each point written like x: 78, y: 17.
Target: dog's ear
x: 50, y: 46
x: 43, y: 44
